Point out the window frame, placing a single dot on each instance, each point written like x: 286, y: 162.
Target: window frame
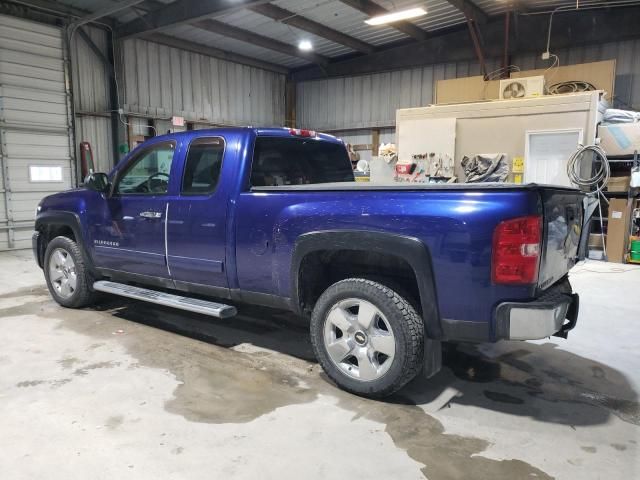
x: 184, y: 167
x: 134, y: 160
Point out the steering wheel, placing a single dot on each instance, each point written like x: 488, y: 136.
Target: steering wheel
x: 147, y: 182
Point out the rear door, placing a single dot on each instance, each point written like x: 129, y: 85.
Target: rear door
x: 196, y: 221
x: 563, y: 225
x: 129, y: 235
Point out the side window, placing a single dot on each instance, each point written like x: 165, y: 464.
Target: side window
x: 202, y: 166
x: 149, y: 172
x: 294, y: 161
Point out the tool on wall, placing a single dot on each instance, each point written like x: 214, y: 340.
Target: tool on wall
x: 429, y: 167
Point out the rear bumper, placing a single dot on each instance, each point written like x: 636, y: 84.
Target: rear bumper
x: 554, y: 313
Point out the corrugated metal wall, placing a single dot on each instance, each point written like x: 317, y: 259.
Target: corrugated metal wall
x: 91, y: 97
x: 371, y: 100
x: 161, y: 81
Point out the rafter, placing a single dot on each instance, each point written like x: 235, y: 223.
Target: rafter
x: 106, y: 11
x: 291, y: 18
x: 179, y: 12
x: 572, y: 28
x: 470, y: 10
x: 246, y: 36
x: 372, y: 9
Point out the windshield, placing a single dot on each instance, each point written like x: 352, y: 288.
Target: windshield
x: 298, y: 161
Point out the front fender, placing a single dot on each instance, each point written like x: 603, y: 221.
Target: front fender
x: 56, y: 218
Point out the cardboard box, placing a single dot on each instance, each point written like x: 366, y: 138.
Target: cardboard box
x: 621, y: 139
x: 618, y: 228
x: 619, y: 184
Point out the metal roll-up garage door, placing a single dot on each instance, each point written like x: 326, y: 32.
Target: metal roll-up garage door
x: 35, y: 134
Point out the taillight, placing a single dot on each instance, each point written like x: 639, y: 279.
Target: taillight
x: 302, y: 133
x: 516, y: 250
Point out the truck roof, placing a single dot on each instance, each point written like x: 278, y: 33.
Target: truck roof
x: 258, y: 131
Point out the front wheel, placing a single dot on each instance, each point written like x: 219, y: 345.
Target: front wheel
x: 67, y: 277
x: 368, y: 339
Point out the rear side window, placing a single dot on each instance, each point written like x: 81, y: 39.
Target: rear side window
x: 202, y: 166
x: 298, y: 161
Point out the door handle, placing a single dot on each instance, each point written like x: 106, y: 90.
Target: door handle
x: 150, y: 214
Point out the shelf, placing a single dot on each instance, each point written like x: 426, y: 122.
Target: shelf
x: 621, y: 157
x: 618, y: 194
x: 620, y: 160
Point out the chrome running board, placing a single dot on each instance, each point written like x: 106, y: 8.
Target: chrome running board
x: 196, y: 305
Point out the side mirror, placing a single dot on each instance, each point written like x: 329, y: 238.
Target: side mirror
x: 98, y: 182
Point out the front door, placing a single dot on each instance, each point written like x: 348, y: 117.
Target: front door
x: 196, y: 223
x: 130, y: 234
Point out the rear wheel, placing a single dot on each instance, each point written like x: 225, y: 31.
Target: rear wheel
x: 367, y: 337
x: 67, y: 277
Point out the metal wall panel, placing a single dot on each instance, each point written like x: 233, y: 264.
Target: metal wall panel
x: 90, y: 76
x: 371, y: 100
x: 91, y: 96
x: 97, y: 131
x: 161, y: 81
x: 34, y: 123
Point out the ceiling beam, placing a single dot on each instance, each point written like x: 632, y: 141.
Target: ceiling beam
x: 246, y: 36
x: 181, y: 11
x: 570, y: 29
x: 291, y: 18
x: 106, y: 11
x: 214, y: 52
x: 470, y: 10
x: 372, y: 9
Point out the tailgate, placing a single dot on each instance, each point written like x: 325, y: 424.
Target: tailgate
x: 563, y: 223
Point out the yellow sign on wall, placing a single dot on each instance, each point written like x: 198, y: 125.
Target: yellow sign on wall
x: 518, y: 165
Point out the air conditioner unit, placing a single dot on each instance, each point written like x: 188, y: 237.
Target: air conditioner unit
x: 524, y: 87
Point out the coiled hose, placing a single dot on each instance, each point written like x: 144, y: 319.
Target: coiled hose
x: 596, y: 182
x: 599, y: 179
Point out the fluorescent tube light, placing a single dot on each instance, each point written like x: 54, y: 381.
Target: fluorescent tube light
x: 396, y: 16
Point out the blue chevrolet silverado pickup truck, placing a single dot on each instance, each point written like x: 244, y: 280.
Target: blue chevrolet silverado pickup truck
x: 203, y: 219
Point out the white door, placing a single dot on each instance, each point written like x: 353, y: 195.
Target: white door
x: 35, y: 134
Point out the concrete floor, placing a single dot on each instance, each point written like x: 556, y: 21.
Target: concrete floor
x: 132, y: 391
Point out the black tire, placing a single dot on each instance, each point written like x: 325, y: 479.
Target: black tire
x: 83, y: 295
x: 406, y: 325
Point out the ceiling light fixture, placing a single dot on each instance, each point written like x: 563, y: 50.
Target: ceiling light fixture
x: 396, y: 16
x: 305, y: 45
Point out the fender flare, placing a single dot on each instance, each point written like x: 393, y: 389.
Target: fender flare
x: 63, y: 218
x: 410, y: 249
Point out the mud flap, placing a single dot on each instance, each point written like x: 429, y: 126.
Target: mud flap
x: 572, y: 316
x: 432, y: 357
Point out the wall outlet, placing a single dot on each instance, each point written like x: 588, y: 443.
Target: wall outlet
x: 546, y: 56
